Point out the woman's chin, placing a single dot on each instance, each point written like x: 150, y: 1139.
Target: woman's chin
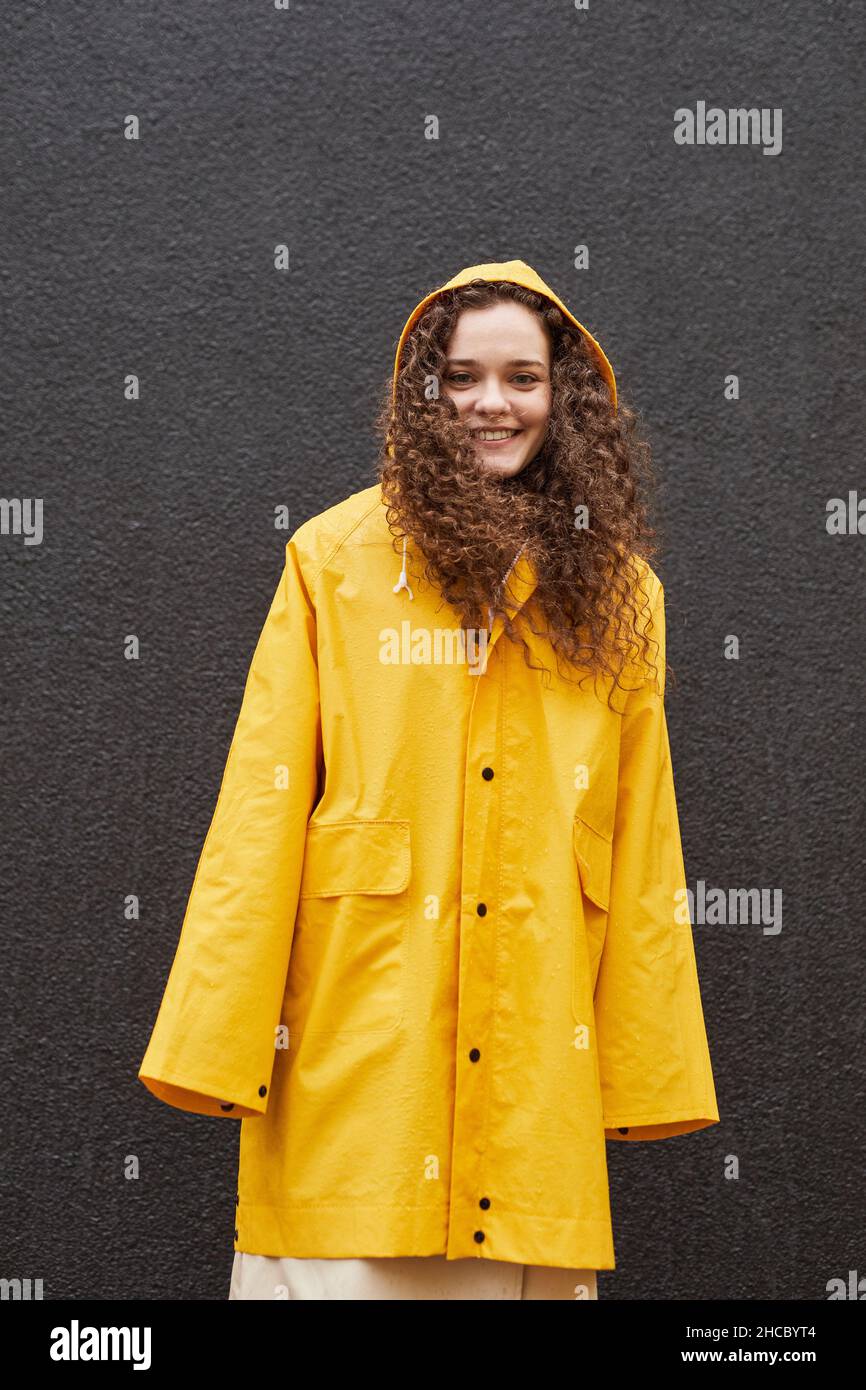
x: 505, y: 470
x: 504, y: 466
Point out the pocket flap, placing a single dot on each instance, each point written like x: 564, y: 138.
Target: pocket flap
x: 593, y: 854
x: 356, y: 856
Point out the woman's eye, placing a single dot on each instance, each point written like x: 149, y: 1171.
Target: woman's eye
x: 522, y: 378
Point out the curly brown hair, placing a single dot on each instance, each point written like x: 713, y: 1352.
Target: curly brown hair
x: 469, y: 522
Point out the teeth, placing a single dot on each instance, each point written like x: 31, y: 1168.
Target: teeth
x: 494, y: 434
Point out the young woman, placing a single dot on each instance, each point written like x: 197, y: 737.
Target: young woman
x: 438, y: 947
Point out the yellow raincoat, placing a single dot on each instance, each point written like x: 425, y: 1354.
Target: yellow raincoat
x: 437, y: 948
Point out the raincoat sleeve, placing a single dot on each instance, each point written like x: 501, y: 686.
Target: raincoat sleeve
x: 212, y: 1046
x: 654, y: 1062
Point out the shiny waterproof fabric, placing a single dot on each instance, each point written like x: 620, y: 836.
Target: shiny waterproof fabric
x: 437, y: 948
x: 422, y: 1279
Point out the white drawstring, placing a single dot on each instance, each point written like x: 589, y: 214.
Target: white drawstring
x: 402, y: 582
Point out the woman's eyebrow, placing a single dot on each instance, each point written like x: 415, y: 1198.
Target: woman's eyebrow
x: 515, y: 362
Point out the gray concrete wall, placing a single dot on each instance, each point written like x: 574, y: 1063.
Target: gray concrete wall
x: 154, y: 257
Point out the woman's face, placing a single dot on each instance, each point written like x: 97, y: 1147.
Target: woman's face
x: 498, y: 375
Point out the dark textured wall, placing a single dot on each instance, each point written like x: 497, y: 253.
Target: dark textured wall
x: 155, y: 257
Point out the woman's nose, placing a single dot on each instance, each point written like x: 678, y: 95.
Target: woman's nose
x: 492, y: 399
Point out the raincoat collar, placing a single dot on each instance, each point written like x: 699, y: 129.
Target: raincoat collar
x: 519, y: 582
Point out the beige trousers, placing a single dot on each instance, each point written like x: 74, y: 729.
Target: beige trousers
x: 404, y: 1277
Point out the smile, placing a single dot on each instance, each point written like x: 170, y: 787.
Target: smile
x: 494, y: 436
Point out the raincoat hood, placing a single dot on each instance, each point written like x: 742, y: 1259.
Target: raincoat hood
x: 517, y: 273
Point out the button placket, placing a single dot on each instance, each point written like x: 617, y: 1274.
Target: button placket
x: 482, y: 813
x: 481, y: 805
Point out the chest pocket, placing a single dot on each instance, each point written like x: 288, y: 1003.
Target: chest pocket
x: 347, y: 967
x: 593, y: 855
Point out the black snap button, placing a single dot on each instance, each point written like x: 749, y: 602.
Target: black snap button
x: 485, y: 1202
x: 263, y: 1090
x: 227, y: 1105
x: 474, y: 1055
x: 236, y: 1232
x: 623, y: 1131
x: 481, y: 909
x: 237, y: 1199
x: 487, y: 773
x: 479, y: 1236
